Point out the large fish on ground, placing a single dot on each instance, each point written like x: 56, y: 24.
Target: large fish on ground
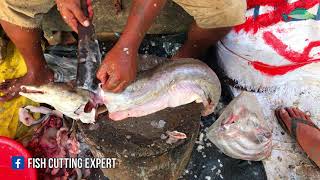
x: 160, y: 84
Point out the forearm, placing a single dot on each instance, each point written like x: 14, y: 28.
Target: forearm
x: 141, y: 17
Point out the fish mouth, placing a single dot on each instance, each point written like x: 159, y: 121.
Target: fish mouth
x: 31, y: 90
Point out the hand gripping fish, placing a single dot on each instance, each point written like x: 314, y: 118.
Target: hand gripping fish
x: 160, y: 83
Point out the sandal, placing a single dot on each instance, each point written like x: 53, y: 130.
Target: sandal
x: 294, y: 125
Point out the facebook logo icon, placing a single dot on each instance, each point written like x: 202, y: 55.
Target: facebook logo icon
x: 17, y: 162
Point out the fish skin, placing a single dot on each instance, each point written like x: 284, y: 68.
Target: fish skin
x: 63, y: 98
x: 190, y: 76
x: 166, y: 84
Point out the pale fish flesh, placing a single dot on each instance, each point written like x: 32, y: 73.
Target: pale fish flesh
x: 241, y: 131
x: 174, y: 136
x: 25, y: 114
x: 168, y: 84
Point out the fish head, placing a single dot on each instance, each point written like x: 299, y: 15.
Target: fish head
x: 63, y: 97
x: 54, y: 93
x: 242, y: 123
x: 44, y: 93
x: 242, y: 134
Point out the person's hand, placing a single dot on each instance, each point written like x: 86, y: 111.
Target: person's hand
x: 118, y: 69
x: 72, y: 13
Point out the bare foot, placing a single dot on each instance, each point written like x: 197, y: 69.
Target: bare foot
x: 305, y: 132
x: 11, y: 87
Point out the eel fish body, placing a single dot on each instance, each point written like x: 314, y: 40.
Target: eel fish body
x: 241, y: 131
x: 171, y: 84
x: 160, y: 84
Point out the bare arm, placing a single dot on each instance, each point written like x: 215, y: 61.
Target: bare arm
x: 141, y: 17
x: 119, y: 67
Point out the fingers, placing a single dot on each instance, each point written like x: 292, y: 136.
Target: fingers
x: 102, y: 73
x: 90, y: 9
x: 108, y: 82
x: 73, y: 14
x: 74, y: 25
x: 115, y: 87
x: 120, y: 87
x: 112, y: 82
x: 78, y: 13
x: 70, y: 20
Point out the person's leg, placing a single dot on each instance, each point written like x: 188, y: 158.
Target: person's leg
x: 28, y: 43
x: 20, y: 23
x: 199, y: 40
x: 307, y: 136
x: 213, y: 19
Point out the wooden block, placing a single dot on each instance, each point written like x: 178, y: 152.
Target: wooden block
x: 138, y: 147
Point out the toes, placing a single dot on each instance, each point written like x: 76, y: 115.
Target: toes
x: 10, y: 93
x: 284, y: 118
x: 5, y: 90
x: 291, y: 112
x: 302, y: 115
x: 307, y: 115
x: 120, y: 87
x: 298, y: 113
x: 7, y: 83
x: 4, y: 86
x: 284, y: 115
x: 9, y: 96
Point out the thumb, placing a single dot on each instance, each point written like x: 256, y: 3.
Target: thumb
x: 81, y: 17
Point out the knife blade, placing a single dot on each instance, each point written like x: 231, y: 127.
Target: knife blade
x: 89, y: 56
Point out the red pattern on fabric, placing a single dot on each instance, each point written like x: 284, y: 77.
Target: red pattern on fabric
x: 253, y: 24
x: 298, y: 59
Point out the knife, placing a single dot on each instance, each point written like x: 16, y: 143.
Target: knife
x: 89, y: 56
